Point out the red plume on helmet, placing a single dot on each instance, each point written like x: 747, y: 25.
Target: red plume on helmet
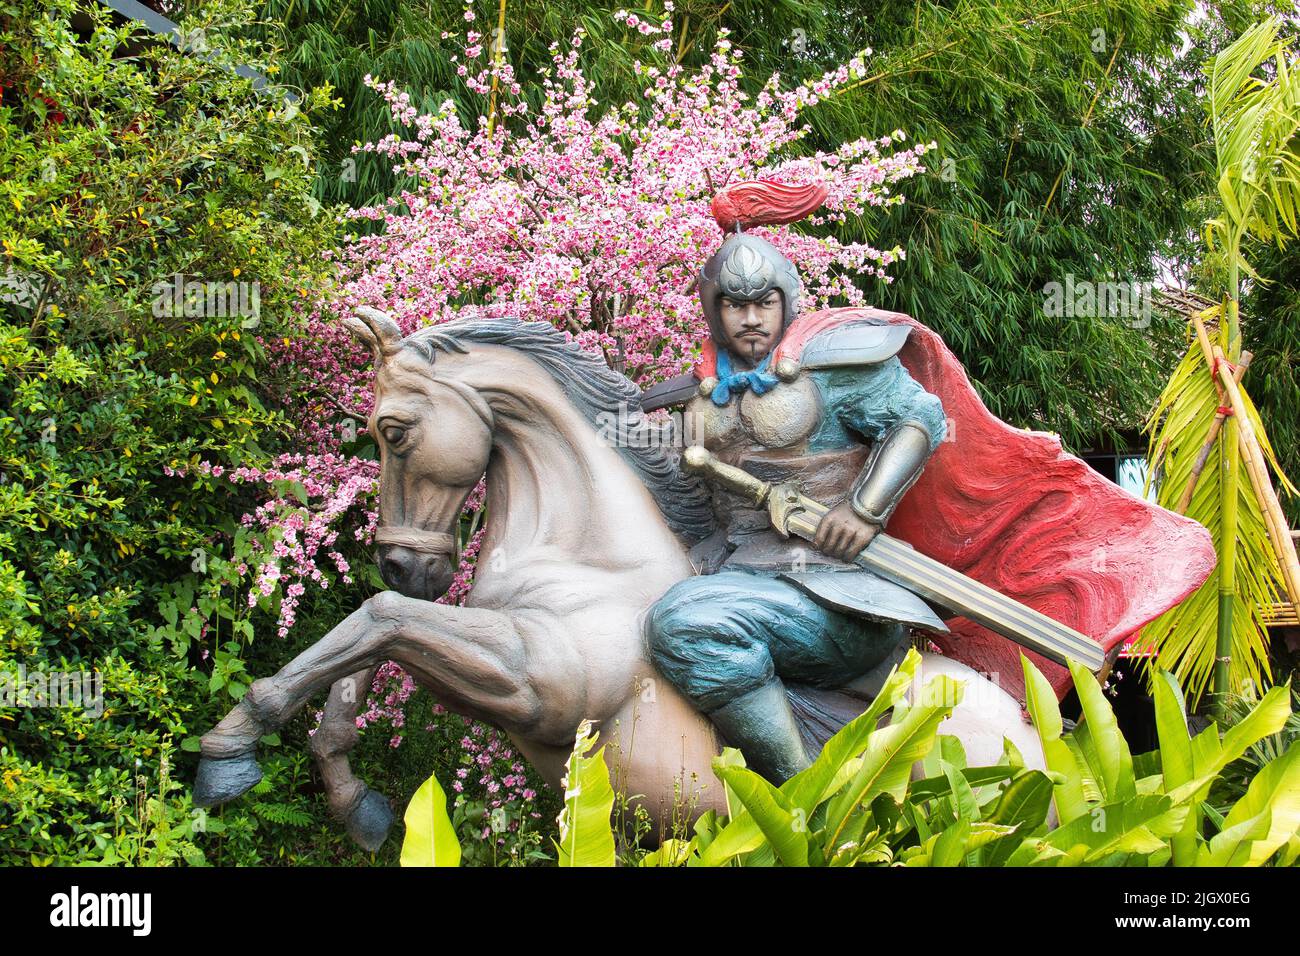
x: 762, y: 202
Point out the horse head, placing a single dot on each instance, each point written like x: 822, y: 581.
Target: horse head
x: 434, y: 437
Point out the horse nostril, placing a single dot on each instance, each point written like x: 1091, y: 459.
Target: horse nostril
x: 413, y: 573
x: 393, y: 572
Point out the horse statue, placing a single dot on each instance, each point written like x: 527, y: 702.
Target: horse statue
x: 583, y: 536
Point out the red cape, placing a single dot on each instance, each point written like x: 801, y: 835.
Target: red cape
x: 1011, y: 509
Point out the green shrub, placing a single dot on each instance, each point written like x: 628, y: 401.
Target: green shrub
x: 124, y: 163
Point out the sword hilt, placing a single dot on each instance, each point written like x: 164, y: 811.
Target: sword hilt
x: 698, y: 460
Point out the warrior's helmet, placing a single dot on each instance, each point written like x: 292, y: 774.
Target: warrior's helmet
x: 748, y: 267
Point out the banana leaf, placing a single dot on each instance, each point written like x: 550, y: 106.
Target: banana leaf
x: 430, y: 838
x: 586, y: 838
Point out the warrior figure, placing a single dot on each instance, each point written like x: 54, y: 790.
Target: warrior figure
x: 833, y: 411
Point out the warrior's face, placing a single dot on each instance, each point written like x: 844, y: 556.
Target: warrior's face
x: 750, y: 294
x: 752, y: 327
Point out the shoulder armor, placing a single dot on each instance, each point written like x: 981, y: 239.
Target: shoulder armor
x: 857, y: 343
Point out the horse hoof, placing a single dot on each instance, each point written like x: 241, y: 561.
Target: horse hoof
x: 224, y: 778
x: 369, y: 823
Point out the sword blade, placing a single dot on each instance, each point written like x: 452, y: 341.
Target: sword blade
x: 892, y: 559
x: 936, y: 582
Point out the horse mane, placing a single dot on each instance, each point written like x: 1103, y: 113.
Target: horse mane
x: 597, y: 391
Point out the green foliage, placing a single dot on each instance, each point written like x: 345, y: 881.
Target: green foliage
x: 857, y: 806
x: 1255, y: 122
x: 585, y: 837
x: 1237, y: 776
x: 117, y: 172
x: 1269, y: 105
x: 475, y: 833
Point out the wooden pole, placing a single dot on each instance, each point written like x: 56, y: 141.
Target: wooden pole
x: 1256, y: 467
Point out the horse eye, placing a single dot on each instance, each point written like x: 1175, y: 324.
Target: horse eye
x: 393, y: 434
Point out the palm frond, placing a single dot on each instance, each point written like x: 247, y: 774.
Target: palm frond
x: 1255, y: 123
x: 1183, y: 639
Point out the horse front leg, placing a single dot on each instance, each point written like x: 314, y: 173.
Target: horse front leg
x: 468, y: 655
x: 228, y: 766
x: 365, y: 813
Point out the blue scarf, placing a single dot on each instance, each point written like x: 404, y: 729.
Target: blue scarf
x: 757, y: 379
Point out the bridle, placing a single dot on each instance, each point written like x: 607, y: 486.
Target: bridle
x: 426, y: 542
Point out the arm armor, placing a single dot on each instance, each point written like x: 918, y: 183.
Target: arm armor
x: 895, y: 464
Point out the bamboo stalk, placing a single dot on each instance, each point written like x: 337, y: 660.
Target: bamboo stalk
x: 1253, y: 455
x: 1229, y: 503
x: 1283, y: 546
x: 1203, y: 337
x: 1203, y: 456
x: 1253, y: 466
x: 496, y: 67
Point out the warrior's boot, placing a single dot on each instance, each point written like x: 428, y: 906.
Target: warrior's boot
x: 761, y: 724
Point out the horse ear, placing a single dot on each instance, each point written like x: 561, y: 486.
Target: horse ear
x: 375, y: 329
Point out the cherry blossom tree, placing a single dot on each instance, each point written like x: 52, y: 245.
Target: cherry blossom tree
x: 597, y: 219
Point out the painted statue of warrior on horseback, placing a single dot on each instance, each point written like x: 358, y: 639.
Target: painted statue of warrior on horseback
x: 749, y: 581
